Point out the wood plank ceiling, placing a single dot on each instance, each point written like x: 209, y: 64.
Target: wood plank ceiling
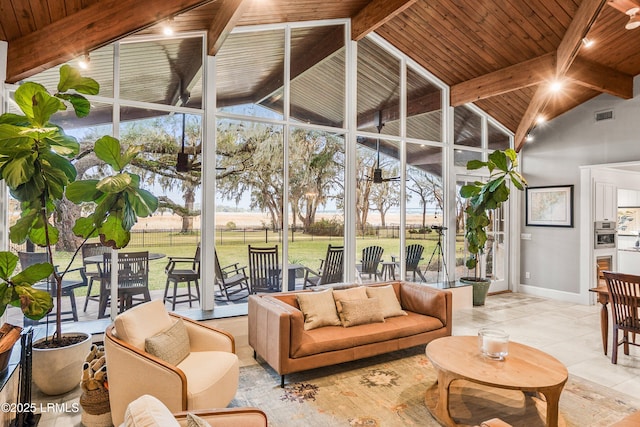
x: 500, y: 55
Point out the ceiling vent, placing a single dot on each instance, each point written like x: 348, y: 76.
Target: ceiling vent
x: 604, y: 115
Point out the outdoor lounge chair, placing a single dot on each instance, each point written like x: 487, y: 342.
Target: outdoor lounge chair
x: 232, y: 280
x: 331, y: 269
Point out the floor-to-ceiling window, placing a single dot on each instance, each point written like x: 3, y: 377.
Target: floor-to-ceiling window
x: 308, y: 127
x: 151, y: 95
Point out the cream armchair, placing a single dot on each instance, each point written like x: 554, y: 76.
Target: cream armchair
x: 150, y: 412
x: 206, y: 378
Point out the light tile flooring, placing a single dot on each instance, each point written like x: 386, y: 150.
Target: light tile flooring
x: 569, y: 332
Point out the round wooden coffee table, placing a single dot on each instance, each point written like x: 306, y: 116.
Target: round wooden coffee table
x: 525, y: 368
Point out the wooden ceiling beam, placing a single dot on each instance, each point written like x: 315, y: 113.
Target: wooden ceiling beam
x: 582, y: 22
x: 92, y: 27
x: 375, y: 14
x: 566, y: 53
x: 601, y: 78
x: 224, y: 22
x: 538, y: 101
x: 518, y: 76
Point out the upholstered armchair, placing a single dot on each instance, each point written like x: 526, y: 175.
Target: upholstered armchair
x: 207, y: 377
x: 150, y: 412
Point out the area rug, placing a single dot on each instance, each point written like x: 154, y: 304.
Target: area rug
x: 389, y: 390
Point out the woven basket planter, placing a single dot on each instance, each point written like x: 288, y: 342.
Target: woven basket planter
x: 95, y: 408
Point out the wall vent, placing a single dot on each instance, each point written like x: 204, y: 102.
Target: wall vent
x: 604, y: 115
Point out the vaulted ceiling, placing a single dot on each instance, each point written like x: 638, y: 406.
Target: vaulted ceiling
x: 500, y: 55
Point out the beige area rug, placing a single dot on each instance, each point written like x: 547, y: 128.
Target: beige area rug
x: 389, y: 390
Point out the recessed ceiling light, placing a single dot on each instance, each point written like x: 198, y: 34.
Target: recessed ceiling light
x: 529, y: 138
x: 541, y: 119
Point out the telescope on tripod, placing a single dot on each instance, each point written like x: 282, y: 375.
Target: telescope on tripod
x: 438, y: 253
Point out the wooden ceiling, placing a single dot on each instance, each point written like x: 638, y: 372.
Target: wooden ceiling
x: 500, y: 55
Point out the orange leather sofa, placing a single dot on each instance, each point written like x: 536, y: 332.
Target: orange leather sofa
x: 277, y: 335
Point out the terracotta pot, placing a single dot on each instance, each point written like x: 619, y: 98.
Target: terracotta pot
x: 58, y: 370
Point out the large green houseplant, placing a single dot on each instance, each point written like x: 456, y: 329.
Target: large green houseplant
x: 485, y: 196
x: 36, y: 163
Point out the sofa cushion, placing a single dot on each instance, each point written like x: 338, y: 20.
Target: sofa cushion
x: 148, y: 411
x: 359, y: 292
x: 319, y: 309
x: 212, y: 378
x: 171, y: 345
x: 360, y: 312
x: 389, y: 303
x: 333, y: 338
x: 142, y: 321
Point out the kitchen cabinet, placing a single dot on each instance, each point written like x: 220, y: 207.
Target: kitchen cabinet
x: 628, y: 198
x: 606, y: 202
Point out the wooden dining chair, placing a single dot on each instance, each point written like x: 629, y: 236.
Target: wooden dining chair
x: 133, y: 281
x: 92, y: 269
x: 331, y: 269
x: 624, y: 293
x: 264, y: 269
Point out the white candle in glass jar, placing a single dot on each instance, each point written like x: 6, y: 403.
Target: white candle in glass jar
x: 493, y: 345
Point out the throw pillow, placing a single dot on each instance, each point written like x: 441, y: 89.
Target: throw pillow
x: 148, y: 411
x: 389, y: 303
x: 318, y: 308
x: 361, y: 312
x: 171, y: 345
x: 196, y: 421
x: 351, y: 294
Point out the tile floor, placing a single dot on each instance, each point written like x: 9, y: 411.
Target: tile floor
x: 569, y: 332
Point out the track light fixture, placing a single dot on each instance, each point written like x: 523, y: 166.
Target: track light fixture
x: 84, y: 62
x: 167, y: 28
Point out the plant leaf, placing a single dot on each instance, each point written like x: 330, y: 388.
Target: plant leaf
x: 34, y: 273
x: 38, y: 236
x: 35, y: 304
x: 499, y: 159
x: 8, y: 263
x: 19, y: 170
x: 19, y: 232
x: 83, y: 191
x: 24, y: 97
x: 475, y: 164
x: 80, y: 104
x: 143, y: 202
x: 113, y: 234
x: 45, y: 106
x: 114, y: 184
x: 107, y: 149
x: 85, y: 227
x: 70, y: 78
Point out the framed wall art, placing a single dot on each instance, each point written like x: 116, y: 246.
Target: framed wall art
x: 550, y: 206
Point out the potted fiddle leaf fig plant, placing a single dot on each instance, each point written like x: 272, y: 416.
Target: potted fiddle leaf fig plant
x: 36, y: 163
x: 483, y: 198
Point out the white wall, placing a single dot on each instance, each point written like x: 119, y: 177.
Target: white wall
x: 560, y: 148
